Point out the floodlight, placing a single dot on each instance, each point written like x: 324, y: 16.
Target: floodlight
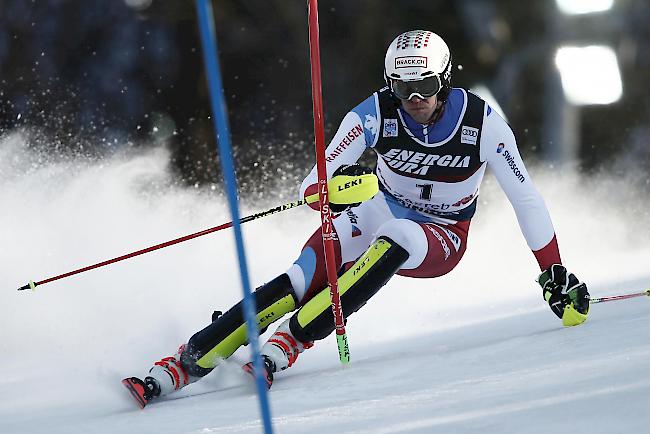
x: 590, y: 75
x: 578, y: 7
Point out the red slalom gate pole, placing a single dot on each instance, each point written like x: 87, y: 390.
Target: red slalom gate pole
x: 323, y: 194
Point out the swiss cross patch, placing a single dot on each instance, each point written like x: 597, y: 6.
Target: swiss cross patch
x: 390, y: 128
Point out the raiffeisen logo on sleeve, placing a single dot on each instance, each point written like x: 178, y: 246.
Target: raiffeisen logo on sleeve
x: 410, y: 61
x: 355, y: 132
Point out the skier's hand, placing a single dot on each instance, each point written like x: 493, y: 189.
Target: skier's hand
x: 348, y: 170
x: 565, y: 294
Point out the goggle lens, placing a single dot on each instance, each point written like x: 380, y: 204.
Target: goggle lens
x: 425, y: 88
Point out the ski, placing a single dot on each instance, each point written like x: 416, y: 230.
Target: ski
x: 137, y: 389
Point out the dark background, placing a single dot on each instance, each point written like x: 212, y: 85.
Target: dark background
x: 95, y: 76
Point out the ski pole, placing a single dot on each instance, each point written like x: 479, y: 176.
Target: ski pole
x: 345, y: 189
x: 619, y: 297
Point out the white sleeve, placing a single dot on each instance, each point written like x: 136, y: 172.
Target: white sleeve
x: 346, y: 147
x: 499, y: 149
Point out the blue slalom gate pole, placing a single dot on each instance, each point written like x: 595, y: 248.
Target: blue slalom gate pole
x: 222, y: 135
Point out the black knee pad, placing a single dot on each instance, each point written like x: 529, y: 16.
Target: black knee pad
x: 228, y: 331
x: 357, y: 285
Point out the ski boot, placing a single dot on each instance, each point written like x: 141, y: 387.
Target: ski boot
x: 279, y: 352
x: 269, y: 367
x: 166, y: 376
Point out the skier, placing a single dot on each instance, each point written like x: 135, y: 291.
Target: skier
x: 433, y: 143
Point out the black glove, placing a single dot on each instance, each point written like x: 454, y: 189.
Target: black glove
x: 567, y: 297
x: 348, y: 170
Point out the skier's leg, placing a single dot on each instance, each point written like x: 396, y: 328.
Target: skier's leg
x: 354, y: 231
x: 314, y: 320
x: 227, y: 332
x: 274, y: 299
x: 217, y: 341
x: 404, y: 247
x: 444, y: 247
x: 308, y: 274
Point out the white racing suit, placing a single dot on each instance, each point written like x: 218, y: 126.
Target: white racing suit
x: 429, y: 180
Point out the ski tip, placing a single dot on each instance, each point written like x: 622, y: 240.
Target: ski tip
x: 136, y: 387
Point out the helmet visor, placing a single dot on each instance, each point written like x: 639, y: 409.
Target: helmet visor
x: 425, y: 88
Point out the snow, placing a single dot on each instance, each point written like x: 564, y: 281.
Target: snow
x: 474, y: 351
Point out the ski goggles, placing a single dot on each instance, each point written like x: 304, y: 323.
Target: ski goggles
x: 424, y: 88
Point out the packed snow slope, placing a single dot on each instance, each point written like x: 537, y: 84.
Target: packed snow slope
x: 477, y: 350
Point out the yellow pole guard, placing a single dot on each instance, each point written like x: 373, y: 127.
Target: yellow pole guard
x: 344, y: 189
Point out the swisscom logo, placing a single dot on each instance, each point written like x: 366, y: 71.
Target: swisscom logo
x: 410, y: 61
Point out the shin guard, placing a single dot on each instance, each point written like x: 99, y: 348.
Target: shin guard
x: 357, y: 285
x: 228, y: 331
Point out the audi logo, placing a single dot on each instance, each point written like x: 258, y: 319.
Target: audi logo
x: 468, y: 132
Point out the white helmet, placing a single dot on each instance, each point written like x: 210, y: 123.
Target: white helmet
x: 418, y: 63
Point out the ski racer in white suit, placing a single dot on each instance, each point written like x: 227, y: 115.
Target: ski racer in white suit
x: 433, y: 144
